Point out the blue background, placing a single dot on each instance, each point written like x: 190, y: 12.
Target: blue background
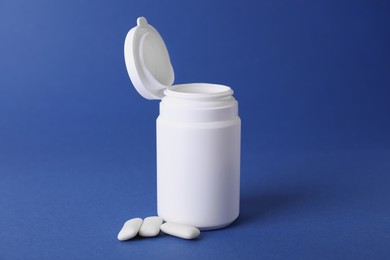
x: 77, y: 142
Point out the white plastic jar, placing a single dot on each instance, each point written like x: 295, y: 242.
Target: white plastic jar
x: 198, y: 137
x: 198, y: 156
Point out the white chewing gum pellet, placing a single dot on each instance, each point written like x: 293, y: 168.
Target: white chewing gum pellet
x: 150, y: 227
x: 130, y: 229
x: 180, y: 230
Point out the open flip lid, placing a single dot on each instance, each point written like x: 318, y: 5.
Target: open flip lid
x: 147, y: 61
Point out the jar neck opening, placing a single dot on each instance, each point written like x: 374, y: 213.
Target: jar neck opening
x: 199, y: 91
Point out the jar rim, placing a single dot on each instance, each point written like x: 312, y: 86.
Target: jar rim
x: 199, y: 91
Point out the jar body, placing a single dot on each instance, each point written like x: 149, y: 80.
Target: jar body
x: 198, y: 160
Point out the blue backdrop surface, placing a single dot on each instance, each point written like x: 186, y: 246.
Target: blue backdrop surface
x: 77, y: 142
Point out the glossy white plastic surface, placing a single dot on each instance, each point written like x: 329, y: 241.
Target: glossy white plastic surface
x: 150, y: 227
x: 180, y: 230
x: 147, y: 60
x: 130, y: 229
